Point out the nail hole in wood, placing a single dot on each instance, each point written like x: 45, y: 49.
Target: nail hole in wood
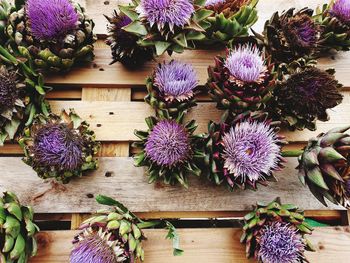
x: 90, y: 196
x: 99, y: 125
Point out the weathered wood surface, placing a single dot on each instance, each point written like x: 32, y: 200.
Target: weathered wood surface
x: 129, y: 185
x: 202, y: 245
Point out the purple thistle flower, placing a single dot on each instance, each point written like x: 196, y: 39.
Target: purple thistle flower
x: 251, y: 150
x: 9, y: 92
x: 341, y: 10
x: 280, y: 243
x: 246, y: 64
x: 214, y: 2
x: 347, y: 187
x: 175, y: 80
x: 51, y: 19
x: 168, y: 144
x: 96, y: 247
x: 57, y: 145
x: 166, y: 12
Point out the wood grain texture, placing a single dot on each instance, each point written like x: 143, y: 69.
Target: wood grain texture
x: 116, y: 121
x: 201, y: 245
x: 129, y: 185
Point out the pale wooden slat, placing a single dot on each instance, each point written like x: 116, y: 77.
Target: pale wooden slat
x: 116, y: 121
x: 202, y: 245
x: 129, y: 185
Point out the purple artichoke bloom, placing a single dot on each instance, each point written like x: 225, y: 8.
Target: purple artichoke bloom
x: 251, y: 150
x: 214, y: 2
x: 168, y: 144
x: 347, y: 187
x: 9, y: 92
x: 96, y: 247
x: 246, y: 64
x: 280, y: 243
x: 51, y: 19
x: 341, y: 10
x: 175, y: 80
x: 166, y: 12
x: 57, y: 145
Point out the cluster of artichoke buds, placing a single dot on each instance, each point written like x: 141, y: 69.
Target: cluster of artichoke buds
x: 6, y: 9
x: 115, y: 235
x: 17, y: 230
x: 60, y: 147
x: 59, y: 47
x: 230, y: 19
x: 22, y: 93
x: 275, y: 232
x: 324, y: 166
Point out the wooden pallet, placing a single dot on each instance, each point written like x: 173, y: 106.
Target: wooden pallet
x: 110, y: 98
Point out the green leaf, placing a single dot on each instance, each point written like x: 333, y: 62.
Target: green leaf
x: 161, y: 47
x: 173, y: 235
x: 128, y: 12
x: 137, y: 28
x: 149, y: 224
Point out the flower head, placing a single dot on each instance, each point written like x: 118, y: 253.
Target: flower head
x: 9, y: 92
x: 58, y: 146
x: 341, y: 10
x: 214, y: 2
x: 280, y: 243
x: 301, y: 31
x: 246, y: 64
x: 51, y: 19
x: 96, y: 246
x: 251, y: 150
x: 168, y: 144
x: 175, y: 80
x: 166, y: 12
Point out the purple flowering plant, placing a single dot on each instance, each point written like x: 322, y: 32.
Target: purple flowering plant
x: 172, y: 88
x: 60, y: 147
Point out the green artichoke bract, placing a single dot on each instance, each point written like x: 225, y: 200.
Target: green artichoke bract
x: 22, y: 93
x: 324, y: 166
x: 60, y: 147
x: 276, y: 232
x: 303, y: 94
x: 172, y: 89
x: 231, y: 19
x: 168, y: 150
x: 172, y: 27
x: 54, y: 41
x: 115, y: 235
x: 17, y: 230
x: 335, y: 20
x: 5, y: 10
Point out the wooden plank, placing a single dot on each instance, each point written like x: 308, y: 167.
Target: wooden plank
x: 116, y: 121
x: 201, y: 245
x: 118, y: 178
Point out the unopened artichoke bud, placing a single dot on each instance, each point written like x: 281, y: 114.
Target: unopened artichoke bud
x: 166, y: 26
x: 324, y: 166
x: 276, y: 232
x: 230, y: 19
x: 17, y: 230
x: 172, y: 89
x: 303, y: 94
x: 51, y: 26
x: 291, y: 35
x: 98, y: 242
x: 242, y: 80
x: 6, y: 8
x: 335, y: 21
x: 245, y: 152
x: 60, y: 147
x: 169, y: 150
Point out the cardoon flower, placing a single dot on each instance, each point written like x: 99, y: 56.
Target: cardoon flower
x: 341, y: 10
x: 168, y: 144
x: 280, y: 243
x: 9, y: 91
x: 57, y: 145
x: 246, y: 64
x: 251, y: 150
x: 93, y: 246
x: 166, y: 12
x: 51, y: 19
x: 176, y: 80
